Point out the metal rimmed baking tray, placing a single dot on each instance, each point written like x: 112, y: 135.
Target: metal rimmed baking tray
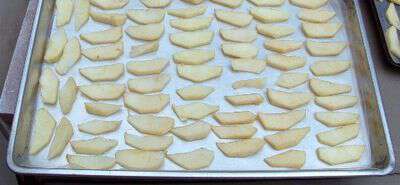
x: 377, y: 160
x: 379, y: 9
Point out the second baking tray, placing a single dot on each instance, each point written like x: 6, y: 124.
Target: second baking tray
x: 377, y: 159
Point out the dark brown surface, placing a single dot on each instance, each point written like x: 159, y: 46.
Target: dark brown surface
x: 388, y: 77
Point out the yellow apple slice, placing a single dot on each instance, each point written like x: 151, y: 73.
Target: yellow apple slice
x: 42, y: 132
x: 239, y: 50
x: 193, y: 56
x: 316, y: 16
x: 288, y: 100
x: 282, y: 46
x: 392, y: 40
x: 241, y: 148
x: 233, y: 118
x: 94, y: 146
x: 325, y: 68
x: 321, y: 30
x: 327, y: 88
x: 90, y: 162
x: 198, y: 73
x: 48, y: 83
x: 64, y: 12
x: 291, y: 80
x: 188, y: 12
x: 103, y: 37
x: 245, y: 99
x: 269, y: 15
x: 68, y: 95
x: 106, y: 52
x: 238, y: 35
x: 318, y: 49
x: 147, y: 67
x: 195, y: 92
x: 234, y: 131
x: 194, y: 1
x: 149, y: 32
x: 273, y: 31
x: 309, y: 4
x: 257, y: 83
x: 109, y: 4
x: 133, y: 159
x: 286, y: 63
x: 194, y: 160
x: 191, y: 24
x: 82, y: 8
x: 336, y: 102
x: 103, y: 91
x: 334, y: 119
x: 392, y: 16
x: 195, y: 111
x: 153, y: 125
x: 148, y: 143
x: 102, y: 109
x: 267, y: 2
x: 192, y: 132
x: 235, y: 18
x: 151, y: 84
x: 286, y: 139
x: 248, y: 65
x: 145, y: 104
x: 339, y: 135
x: 340, y: 154
x: 156, y: 3
x: 103, y: 73
x: 62, y: 135
x: 71, y: 55
x: 228, y: 3
x: 192, y: 39
x: 97, y: 127
x: 281, y: 121
x: 289, y: 159
x: 55, y: 46
x: 114, y: 19
x: 146, y: 16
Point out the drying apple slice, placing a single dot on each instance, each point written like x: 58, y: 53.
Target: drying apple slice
x: 71, y: 55
x: 273, y: 31
x: 102, y: 109
x: 239, y: 50
x: 189, y: 12
x: 235, y: 18
x: 146, y: 16
x: 149, y: 124
x: 282, y: 46
x: 327, y: 88
x: 103, y: 73
x: 97, y: 127
x: 321, y: 30
x: 109, y: 4
x: 286, y: 139
x: 288, y: 100
x: 43, y: 131
x: 248, y: 65
x: 192, y: 132
x: 269, y: 15
x: 55, y: 46
x: 114, y: 19
x: 199, y: 73
x: 340, y: 154
x: 133, y: 159
x: 339, y: 135
x: 68, y: 95
x: 145, y: 104
x: 64, y: 12
x: 148, y: 84
x: 233, y: 118
x: 336, y: 102
x: 95, y: 146
x: 238, y: 35
x: 194, y: 111
x: 49, y: 83
x: 193, y: 56
x: 147, y: 67
x: 194, y: 92
x: 103, y: 37
x: 90, y: 162
x: 228, y: 3
x: 286, y: 63
x: 291, y: 80
x: 288, y: 159
x: 156, y: 3
x: 103, y: 91
x: 245, y: 99
x: 62, y: 135
x: 148, y: 143
x: 281, y: 121
x: 192, y: 39
x: 325, y: 68
x: 316, y: 16
x: 191, y: 24
x: 107, y: 52
x: 194, y: 160
x: 149, y: 32
x: 257, y: 83
x: 334, y: 119
x: 267, y: 2
x: 82, y: 8
x: 309, y: 4
x: 241, y: 148
x: 234, y: 131
x: 319, y: 49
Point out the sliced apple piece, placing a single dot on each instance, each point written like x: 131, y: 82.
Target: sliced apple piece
x: 64, y: 12
x: 269, y: 15
x: 90, y: 162
x: 156, y: 3
x: 153, y: 125
x: 238, y: 35
x: 97, y: 127
x: 392, y: 16
x: 133, y: 159
x: 189, y: 12
x: 192, y: 39
x: 199, y: 73
x: 55, y: 46
x: 103, y: 91
x: 235, y: 18
x: 149, y: 32
x: 321, y: 30
x: 286, y: 139
x: 192, y: 132
x: 141, y: 49
x: 267, y: 2
x: 146, y: 16
x: 326, y: 68
x: 340, y: 154
x: 245, y: 99
x: 228, y: 3
x: 233, y: 118
x: 257, y: 83
x: 327, y: 88
x: 239, y: 50
x: 281, y: 121
x: 106, y: 52
x: 288, y: 100
x: 147, y: 67
x: 193, y: 56
x: 319, y: 49
x: 94, y: 146
x: 70, y: 56
x: 42, y: 132
x: 113, y: 19
x: 286, y: 63
x: 393, y: 41
x: 148, y: 143
x: 289, y: 159
x: 248, y: 65
x: 194, y: 111
x: 291, y: 80
x: 273, y: 31
x: 109, y: 4
x: 195, y: 92
x: 82, y: 8
x: 316, y: 16
x: 48, y: 83
x: 194, y: 1
x: 103, y: 73
x: 309, y: 4
x: 282, y: 46
x: 62, y: 135
x: 103, y: 37
x: 194, y: 160
x: 191, y: 24
x: 338, y: 135
x: 334, y: 119
x: 145, y: 104
x: 102, y: 109
x: 336, y: 102
x: 149, y: 84
x: 234, y: 131
x: 241, y: 148
x: 68, y: 95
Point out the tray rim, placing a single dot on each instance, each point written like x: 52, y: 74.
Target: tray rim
x: 206, y: 174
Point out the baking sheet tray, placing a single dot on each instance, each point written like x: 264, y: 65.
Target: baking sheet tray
x: 378, y: 158
x: 379, y: 8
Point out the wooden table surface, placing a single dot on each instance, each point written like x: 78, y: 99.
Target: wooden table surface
x: 11, y: 17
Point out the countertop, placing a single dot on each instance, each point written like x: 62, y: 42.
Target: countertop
x: 11, y: 16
